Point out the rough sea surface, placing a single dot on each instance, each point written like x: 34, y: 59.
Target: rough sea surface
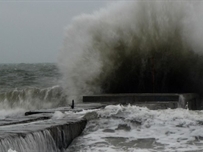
x: 137, y: 129
x: 114, y: 128
x: 29, y: 86
x: 128, y: 47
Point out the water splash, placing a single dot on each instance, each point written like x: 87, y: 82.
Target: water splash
x: 136, y: 46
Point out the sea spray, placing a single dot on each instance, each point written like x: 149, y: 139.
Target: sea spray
x: 134, y: 46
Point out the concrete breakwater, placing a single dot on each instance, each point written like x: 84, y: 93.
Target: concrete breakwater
x: 38, y: 131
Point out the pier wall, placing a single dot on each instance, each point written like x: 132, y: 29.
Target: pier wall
x: 155, y: 101
x: 39, y: 131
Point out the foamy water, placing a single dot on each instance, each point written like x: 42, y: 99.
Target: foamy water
x: 136, y: 129
x: 132, y: 128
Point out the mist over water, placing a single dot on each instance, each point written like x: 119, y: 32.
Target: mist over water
x: 135, y: 46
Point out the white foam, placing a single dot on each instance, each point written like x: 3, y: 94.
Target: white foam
x: 10, y: 150
x: 125, y: 128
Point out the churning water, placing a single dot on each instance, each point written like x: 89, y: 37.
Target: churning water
x: 137, y: 129
x: 128, y: 47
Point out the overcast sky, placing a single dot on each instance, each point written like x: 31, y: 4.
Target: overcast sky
x: 33, y: 31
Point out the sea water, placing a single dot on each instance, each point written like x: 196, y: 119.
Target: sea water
x: 114, y: 128
x: 128, y: 47
x: 28, y: 87
x: 138, y: 129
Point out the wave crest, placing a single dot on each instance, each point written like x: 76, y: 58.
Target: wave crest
x: 33, y: 98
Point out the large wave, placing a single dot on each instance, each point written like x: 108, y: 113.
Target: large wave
x: 136, y: 46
